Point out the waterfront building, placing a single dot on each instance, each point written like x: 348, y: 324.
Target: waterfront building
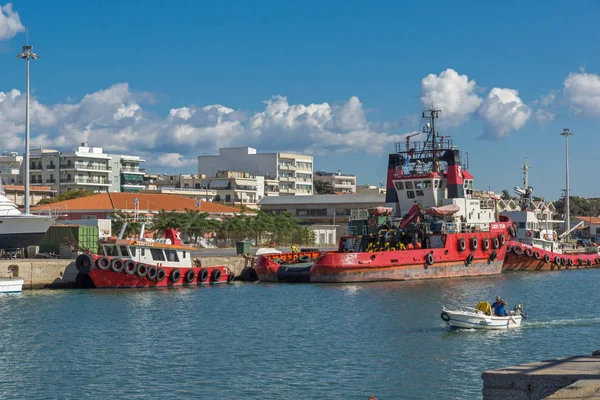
x: 591, y: 227
x: 10, y: 167
x: 16, y: 194
x: 342, y: 183
x: 85, y: 168
x: 293, y: 173
x: 327, y: 209
x: 370, y: 189
x: 142, y: 205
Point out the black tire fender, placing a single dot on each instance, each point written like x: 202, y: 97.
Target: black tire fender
x: 429, y: 259
x: 462, y: 245
x: 84, y: 263
x: 141, y: 270
x: 305, y: 258
x: 528, y: 252
x: 129, y: 267
x: 518, y: 250
x: 116, y: 264
x: 161, y: 274
x: 103, y: 263
x: 496, y: 243
x: 152, y: 272
x: 230, y: 277
x: 537, y: 255
x: 469, y: 259
x: 502, y: 240
x: 189, y: 276
x: 215, y: 275
x: 474, y: 243
x: 175, y: 275
x: 546, y: 258
x: 485, y: 244
x: 203, y: 275
x: 493, y: 256
x: 445, y: 316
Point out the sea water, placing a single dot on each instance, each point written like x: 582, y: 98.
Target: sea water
x: 285, y: 341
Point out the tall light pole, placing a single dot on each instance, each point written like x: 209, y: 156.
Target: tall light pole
x: 566, y: 133
x: 27, y: 54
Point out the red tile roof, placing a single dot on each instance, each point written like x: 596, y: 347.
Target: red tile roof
x: 124, y: 201
x: 33, y: 188
x: 590, y: 220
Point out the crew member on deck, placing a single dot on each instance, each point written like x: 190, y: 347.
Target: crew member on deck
x: 498, y: 307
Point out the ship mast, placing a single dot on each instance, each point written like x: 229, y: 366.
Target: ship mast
x: 431, y: 114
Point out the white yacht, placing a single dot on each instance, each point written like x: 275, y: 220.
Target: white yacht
x: 19, y: 230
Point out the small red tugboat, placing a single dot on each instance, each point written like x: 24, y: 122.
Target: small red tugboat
x: 450, y: 229
x: 126, y: 263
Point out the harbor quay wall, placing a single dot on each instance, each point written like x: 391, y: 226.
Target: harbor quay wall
x: 576, y: 377
x: 61, y: 273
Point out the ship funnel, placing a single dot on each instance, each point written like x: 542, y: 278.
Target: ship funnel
x: 391, y: 196
x: 455, y: 176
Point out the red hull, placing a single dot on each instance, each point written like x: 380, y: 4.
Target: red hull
x: 448, y: 262
x: 537, y: 259
x: 111, y: 279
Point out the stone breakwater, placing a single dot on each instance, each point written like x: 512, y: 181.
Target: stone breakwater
x: 58, y: 273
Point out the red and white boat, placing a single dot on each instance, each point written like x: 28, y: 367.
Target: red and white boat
x: 139, y: 263
x: 536, y: 245
x: 456, y: 235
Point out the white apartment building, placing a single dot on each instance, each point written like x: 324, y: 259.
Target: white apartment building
x: 10, y: 166
x: 342, y: 183
x: 293, y: 172
x: 85, y: 168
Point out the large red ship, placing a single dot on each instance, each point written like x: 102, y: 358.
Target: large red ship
x: 448, y: 230
x: 138, y: 263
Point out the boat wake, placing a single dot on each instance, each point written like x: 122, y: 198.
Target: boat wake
x: 561, y: 322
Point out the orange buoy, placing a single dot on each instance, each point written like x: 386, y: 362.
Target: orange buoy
x: 419, y: 246
x: 410, y: 246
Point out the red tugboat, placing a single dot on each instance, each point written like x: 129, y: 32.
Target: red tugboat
x: 449, y: 230
x: 126, y: 263
x: 536, y: 246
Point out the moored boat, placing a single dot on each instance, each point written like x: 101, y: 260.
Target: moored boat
x: 536, y: 245
x: 481, y: 317
x: 137, y: 263
x: 449, y: 230
x: 11, y: 285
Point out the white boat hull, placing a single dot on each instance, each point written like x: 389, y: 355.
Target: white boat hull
x: 23, y: 230
x: 478, y: 320
x: 14, y: 285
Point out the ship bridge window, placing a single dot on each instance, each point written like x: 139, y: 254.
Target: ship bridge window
x: 410, y: 194
x: 409, y: 185
x: 172, y: 255
x: 521, y: 225
x: 420, y: 193
x: 418, y: 185
x: 441, y: 184
x: 111, y: 251
x: 157, y: 254
x: 124, y: 251
x: 399, y: 185
x: 132, y: 251
x: 426, y: 184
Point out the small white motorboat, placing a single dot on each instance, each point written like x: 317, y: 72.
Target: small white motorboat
x: 481, y: 317
x: 11, y: 285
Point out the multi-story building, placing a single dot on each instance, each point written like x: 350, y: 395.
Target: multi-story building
x: 10, y: 166
x: 85, y: 168
x: 293, y: 172
x: 342, y: 183
x: 371, y: 189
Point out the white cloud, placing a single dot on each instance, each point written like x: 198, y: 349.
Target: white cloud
x: 454, y: 94
x: 544, y: 117
x: 10, y: 23
x: 114, y: 119
x: 582, y: 91
x: 502, y: 112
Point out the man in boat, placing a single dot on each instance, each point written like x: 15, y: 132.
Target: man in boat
x: 498, y: 307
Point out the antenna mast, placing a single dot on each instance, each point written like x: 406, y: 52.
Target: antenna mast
x: 525, y: 168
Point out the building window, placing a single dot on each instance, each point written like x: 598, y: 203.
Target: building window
x: 157, y: 254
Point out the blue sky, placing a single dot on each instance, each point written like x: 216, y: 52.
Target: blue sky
x: 174, y: 80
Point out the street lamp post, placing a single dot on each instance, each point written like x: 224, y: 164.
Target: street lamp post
x: 27, y: 54
x: 566, y: 133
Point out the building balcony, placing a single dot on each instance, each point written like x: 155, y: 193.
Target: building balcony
x: 287, y: 179
x: 86, y: 167
x: 50, y: 180
x: 343, y: 185
x: 85, y: 181
x: 51, y: 167
x: 287, y: 190
x: 287, y: 167
x: 36, y: 167
x: 132, y: 170
x: 9, y: 171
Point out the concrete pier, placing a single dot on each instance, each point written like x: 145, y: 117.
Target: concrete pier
x: 59, y: 273
x: 576, y: 377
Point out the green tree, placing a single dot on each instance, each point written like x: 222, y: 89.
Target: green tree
x: 68, y: 195
x: 323, y: 187
x: 119, y: 218
x: 505, y: 194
